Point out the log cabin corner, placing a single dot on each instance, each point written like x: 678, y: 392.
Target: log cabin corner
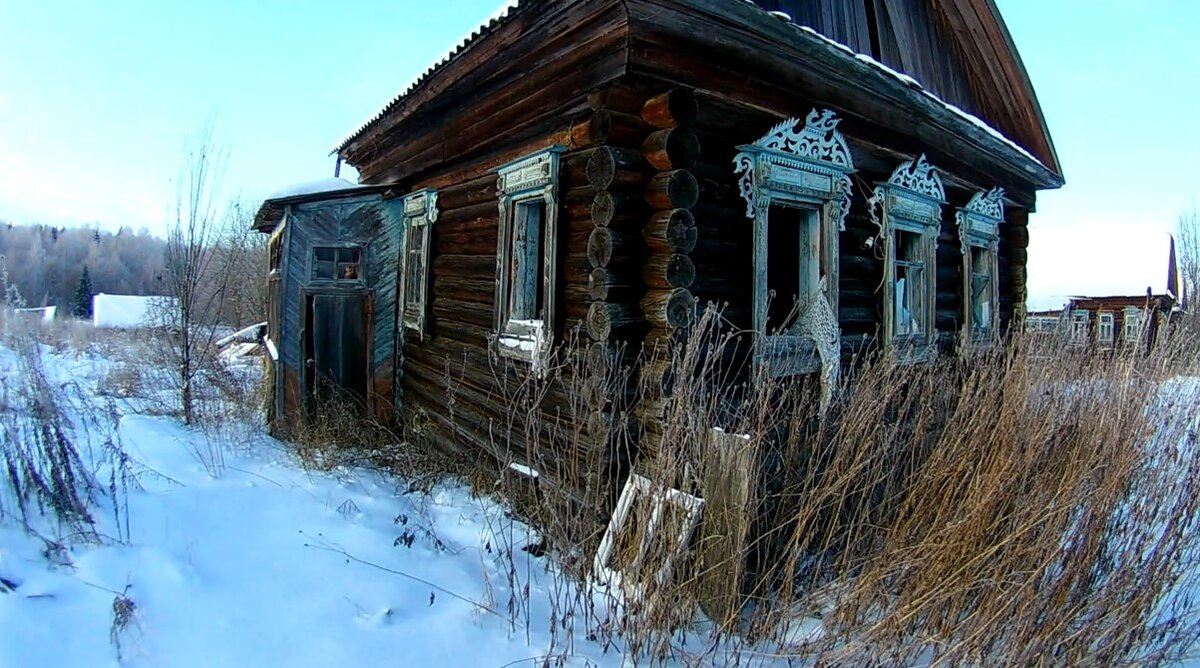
x: 839, y: 175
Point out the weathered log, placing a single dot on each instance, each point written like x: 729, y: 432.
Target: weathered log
x: 675, y: 148
x: 614, y: 128
x: 475, y: 313
x: 475, y: 242
x: 473, y: 191
x: 607, y: 321
x: 676, y: 189
x: 606, y: 285
x: 668, y: 271
x: 575, y: 164
x: 859, y: 265
x: 669, y: 309
x: 612, y: 167
x: 658, y: 376
x: 674, y: 108
x: 577, y: 269
x: 617, y: 209
x: 465, y: 266
x: 617, y: 98
x: 479, y: 290
x: 576, y: 300
x: 1016, y: 236
x: 672, y: 231
x: 605, y: 243
x: 487, y: 209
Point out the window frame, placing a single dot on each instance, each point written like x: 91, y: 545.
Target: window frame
x: 1080, y: 326
x: 910, y: 201
x: 807, y: 168
x: 358, y: 281
x: 420, y: 212
x: 979, y: 228
x: 532, y: 178
x: 1103, y: 319
x: 1131, y: 315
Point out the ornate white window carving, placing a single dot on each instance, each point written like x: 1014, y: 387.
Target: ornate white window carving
x: 908, y: 211
x: 527, y: 258
x: 796, y: 183
x: 979, y: 233
x: 420, y: 213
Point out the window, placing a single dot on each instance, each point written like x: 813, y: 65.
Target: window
x: 336, y: 264
x: 420, y: 212
x: 1105, y: 329
x: 275, y: 249
x: 796, y: 184
x: 908, y: 210
x: 1080, y: 320
x: 979, y: 234
x: 909, y: 292
x: 1132, y: 327
x: 527, y: 262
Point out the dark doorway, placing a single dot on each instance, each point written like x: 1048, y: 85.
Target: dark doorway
x: 335, y: 348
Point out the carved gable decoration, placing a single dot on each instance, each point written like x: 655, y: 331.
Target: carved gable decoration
x: 981, y: 217
x: 913, y: 193
x: 813, y: 161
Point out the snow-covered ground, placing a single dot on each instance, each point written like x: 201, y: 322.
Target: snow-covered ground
x: 271, y: 565
x: 233, y: 554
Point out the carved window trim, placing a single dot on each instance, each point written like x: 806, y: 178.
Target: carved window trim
x: 1106, y: 328
x: 1080, y: 326
x: 529, y: 179
x: 808, y: 168
x: 420, y: 212
x: 910, y: 201
x: 979, y: 227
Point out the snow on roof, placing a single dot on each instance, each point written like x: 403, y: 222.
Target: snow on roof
x: 132, y: 311
x: 313, y: 188
x: 497, y: 18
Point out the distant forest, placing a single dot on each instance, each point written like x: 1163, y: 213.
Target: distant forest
x: 46, y: 263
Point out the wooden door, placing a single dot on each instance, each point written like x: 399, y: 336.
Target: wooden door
x: 336, y: 347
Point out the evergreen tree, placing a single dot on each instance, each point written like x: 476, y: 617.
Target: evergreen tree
x: 83, y: 296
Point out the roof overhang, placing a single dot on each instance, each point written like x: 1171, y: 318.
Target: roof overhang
x: 271, y: 212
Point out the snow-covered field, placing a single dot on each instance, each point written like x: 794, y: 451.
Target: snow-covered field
x: 271, y: 565
x: 231, y: 553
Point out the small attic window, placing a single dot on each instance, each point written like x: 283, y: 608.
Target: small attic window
x: 331, y: 263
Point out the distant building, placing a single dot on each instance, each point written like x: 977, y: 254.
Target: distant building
x: 133, y: 311
x: 44, y: 314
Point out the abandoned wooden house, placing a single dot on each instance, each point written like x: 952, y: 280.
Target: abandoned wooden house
x: 838, y: 174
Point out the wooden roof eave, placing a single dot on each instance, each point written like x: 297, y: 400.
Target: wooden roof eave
x: 456, y: 80
x: 744, y: 52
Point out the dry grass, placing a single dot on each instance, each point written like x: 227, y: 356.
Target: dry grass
x: 1033, y: 505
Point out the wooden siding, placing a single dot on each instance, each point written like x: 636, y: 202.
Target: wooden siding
x: 364, y: 222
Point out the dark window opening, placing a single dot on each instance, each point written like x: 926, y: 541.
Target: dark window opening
x: 981, y: 290
x: 909, y: 290
x: 526, y: 298
x: 794, y: 264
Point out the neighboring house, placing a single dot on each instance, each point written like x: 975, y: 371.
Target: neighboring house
x: 43, y: 314
x: 593, y: 172
x: 1116, y: 321
x: 133, y: 311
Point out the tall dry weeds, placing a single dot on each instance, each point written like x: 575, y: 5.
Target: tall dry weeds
x: 1034, y: 504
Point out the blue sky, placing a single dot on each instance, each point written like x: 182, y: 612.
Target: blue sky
x: 97, y: 100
